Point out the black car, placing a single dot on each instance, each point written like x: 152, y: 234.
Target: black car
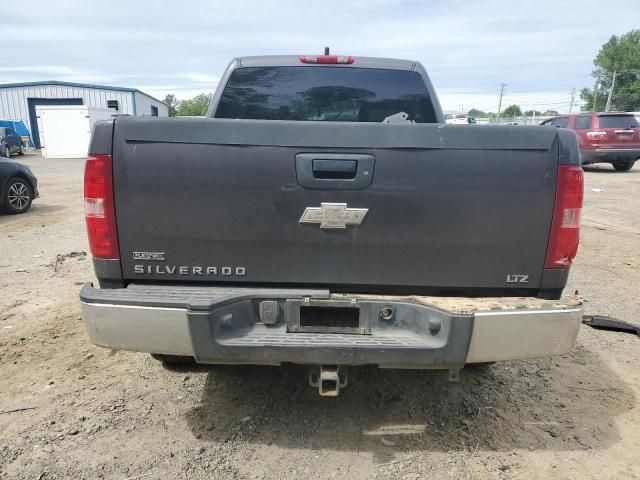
x: 10, y: 142
x: 18, y: 186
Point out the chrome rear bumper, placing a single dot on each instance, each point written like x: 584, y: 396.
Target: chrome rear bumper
x: 224, y: 325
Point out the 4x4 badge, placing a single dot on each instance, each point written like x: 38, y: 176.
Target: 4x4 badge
x: 159, y: 256
x: 333, y: 215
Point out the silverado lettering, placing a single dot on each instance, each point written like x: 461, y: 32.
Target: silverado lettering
x: 188, y: 270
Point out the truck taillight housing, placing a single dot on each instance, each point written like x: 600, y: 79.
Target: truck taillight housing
x: 565, y: 225
x: 99, y: 209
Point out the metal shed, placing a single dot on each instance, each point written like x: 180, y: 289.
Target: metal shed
x: 18, y: 101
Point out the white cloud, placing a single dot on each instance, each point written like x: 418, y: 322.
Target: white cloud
x: 38, y: 69
x: 202, y: 78
x: 541, y: 49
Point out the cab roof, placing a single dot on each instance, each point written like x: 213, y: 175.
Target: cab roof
x: 294, y: 61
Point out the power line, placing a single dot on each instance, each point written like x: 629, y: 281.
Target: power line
x: 577, y: 102
x: 536, y: 103
x: 557, y: 102
x: 539, y: 104
x: 629, y: 70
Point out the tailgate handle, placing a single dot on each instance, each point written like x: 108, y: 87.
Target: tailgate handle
x: 335, y: 171
x: 345, y: 169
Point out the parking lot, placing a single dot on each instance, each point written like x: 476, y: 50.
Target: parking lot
x: 95, y: 413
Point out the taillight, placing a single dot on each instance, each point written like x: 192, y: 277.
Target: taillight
x: 326, y: 59
x: 596, y: 136
x: 99, y: 210
x: 565, y: 225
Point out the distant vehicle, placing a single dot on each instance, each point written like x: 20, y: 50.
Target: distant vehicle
x: 460, y: 119
x: 18, y: 186
x: 607, y: 137
x: 10, y: 142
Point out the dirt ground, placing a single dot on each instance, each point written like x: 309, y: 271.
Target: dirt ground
x: 117, y: 415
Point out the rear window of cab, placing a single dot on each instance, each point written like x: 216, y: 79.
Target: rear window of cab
x: 331, y: 94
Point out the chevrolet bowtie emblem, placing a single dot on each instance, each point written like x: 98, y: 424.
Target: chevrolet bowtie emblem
x: 334, y: 215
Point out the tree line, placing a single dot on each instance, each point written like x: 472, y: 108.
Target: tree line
x: 193, y: 107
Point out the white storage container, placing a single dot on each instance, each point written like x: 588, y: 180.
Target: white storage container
x: 65, y: 131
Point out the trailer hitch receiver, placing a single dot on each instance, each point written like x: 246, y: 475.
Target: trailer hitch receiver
x: 328, y: 379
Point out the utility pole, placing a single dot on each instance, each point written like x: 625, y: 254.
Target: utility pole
x: 533, y: 117
x: 613, y: 83
x: 502, y: 85
x: 573, y: 95
x: 595, y: 96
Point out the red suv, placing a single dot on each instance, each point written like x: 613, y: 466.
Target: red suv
x: 610, y: 137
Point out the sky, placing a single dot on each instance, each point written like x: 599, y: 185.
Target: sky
x: 540, y: 49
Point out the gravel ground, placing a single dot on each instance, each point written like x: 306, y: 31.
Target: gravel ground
x: 118, y: 415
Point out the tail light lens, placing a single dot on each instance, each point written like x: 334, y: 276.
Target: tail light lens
x: 565, y: 225
x: 99, y: 210
x: 326, y: 59
x: 595, y: 137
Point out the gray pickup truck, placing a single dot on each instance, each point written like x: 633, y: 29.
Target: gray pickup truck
x: 324, y: 214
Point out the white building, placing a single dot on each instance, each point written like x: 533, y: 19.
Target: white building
x: 18, y: 101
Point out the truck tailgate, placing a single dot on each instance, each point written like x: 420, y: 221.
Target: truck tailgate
x: 448, y: 207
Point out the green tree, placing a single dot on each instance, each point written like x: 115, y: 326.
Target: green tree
x: 511, y: 111
x: 531, y: 113
x: 586, y: 94
x: 622, y: 55
x: 196, y: 106
x: 550, y: 113
x: 474, y: 112
x: 172, y: 102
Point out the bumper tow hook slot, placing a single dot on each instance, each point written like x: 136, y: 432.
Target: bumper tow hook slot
x: 328, y: 379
